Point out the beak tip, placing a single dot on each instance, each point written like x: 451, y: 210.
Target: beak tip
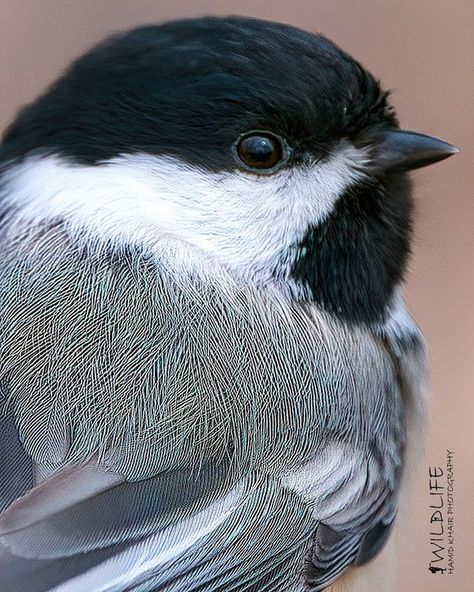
x: 447, y: 150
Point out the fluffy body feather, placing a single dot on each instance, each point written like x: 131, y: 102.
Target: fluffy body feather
x: 117, y: 360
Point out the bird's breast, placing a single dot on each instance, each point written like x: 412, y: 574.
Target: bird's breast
x: 115, y: 356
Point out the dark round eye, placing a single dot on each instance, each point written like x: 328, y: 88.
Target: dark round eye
x: 260, y: 150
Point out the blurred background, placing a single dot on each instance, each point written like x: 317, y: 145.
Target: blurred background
x: 423, y: 51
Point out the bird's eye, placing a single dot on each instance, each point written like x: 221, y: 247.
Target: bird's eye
x: 261, y: 151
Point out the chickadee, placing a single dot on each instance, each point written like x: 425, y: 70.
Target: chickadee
x: 207, y: 366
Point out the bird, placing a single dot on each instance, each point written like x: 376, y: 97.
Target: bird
x: 210, y: 381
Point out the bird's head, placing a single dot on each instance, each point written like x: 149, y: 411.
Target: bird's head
x: 264, y: 149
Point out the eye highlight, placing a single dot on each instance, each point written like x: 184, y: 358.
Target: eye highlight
x: 261, y: 151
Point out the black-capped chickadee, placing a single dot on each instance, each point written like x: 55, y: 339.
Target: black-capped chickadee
x: 207, y: 366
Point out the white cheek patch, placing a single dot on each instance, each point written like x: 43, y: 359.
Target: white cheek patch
x: 246, y: 221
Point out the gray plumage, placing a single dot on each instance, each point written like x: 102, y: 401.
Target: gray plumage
x: 216, y: 392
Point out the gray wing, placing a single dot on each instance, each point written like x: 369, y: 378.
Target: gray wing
x: 16, y: 468
x: 85, y: 529
x: 333, y: 550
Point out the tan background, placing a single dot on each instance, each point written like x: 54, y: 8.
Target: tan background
x: 423, y: 50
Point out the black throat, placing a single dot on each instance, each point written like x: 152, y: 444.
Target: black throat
x: 351, y: 263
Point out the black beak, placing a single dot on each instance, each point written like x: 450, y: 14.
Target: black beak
x: 406, y: 150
